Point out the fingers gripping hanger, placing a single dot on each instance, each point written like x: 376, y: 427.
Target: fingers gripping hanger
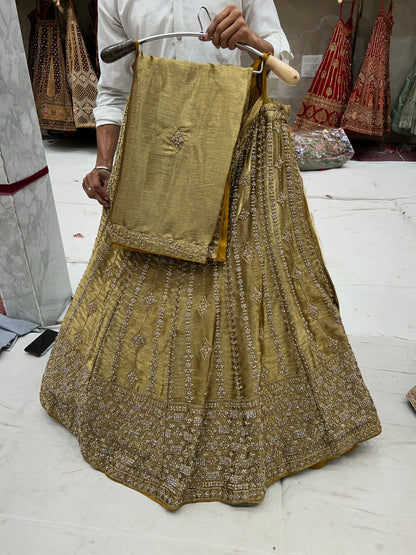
x: 116, y: 51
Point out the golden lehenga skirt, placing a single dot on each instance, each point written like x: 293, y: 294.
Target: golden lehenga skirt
x: 208, y: 382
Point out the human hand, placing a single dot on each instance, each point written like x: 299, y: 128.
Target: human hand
x: 95, y: 185
x: 229, y: 27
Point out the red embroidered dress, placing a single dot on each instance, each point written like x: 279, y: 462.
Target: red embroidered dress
x: 47, y: 71
x: 328, y: 95
x: 369, y: 107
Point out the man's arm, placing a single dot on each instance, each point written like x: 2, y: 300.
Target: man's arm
x: 113, y: 88
x: 96, y: 181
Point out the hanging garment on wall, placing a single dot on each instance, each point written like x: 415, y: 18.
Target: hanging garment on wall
x: 369, y: 108
x: 81, y: 75
x: 47, y: 72
x: 328, y: 94
x: 93, y: 9
x: 207, y: 382
x: 404, y: 114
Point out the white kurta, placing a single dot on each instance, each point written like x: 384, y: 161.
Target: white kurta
x: 119, y: 20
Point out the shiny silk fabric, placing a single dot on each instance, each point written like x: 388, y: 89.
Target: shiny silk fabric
x: 207, y: 382
x: 173, y: 163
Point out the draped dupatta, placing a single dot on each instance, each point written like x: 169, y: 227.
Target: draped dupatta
x: 171, y: 175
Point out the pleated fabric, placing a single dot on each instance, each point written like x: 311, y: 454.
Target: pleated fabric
x: 368, y: 111
x: 207, y: 382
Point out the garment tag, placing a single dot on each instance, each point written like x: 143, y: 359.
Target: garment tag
x: 310, y: 64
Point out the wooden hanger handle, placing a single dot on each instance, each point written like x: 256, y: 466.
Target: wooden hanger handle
x: 286, y: 73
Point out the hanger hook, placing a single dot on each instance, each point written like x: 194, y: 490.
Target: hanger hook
x: 203, y: 8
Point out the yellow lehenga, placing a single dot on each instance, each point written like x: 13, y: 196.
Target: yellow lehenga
x: 208, y: 382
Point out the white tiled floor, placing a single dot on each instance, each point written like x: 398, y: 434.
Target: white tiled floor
x: 53, y: 502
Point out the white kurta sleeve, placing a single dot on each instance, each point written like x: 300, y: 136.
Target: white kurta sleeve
x: 262, y: 18
x: 116, y: 78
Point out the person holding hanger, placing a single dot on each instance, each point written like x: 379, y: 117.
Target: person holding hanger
x: 252, y: 22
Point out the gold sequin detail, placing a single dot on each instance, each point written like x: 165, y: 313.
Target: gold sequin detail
x: 177, y: 139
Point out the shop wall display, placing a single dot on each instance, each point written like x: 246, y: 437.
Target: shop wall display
x: 309, y: 31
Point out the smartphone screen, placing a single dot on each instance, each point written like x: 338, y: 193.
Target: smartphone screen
x: 42, y: 344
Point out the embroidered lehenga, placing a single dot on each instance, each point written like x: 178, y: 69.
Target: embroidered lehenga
x: 80, y: 72
x: 208, y: 382
x: 47, y: 71
x: 325, y: 101
x: 369, y: 107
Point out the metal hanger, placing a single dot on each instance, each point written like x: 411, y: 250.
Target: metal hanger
x: 116, y: 51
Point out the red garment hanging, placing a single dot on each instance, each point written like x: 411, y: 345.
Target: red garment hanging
x: 47, y: 71
x: 369, y: 107
x: 327, y: 97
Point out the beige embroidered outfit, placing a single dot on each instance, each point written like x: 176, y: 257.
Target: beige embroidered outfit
x: 208, y: 382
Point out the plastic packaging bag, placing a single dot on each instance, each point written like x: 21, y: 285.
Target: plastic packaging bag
x: 322, y: 149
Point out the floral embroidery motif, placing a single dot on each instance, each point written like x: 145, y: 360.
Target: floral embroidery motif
x: 244, y: 215
x: 247, y: 253
x: 139, y: 340
x: 257, y: 295
x: 333, y: 344
x: 178, y: 140
x: 78, y: 338
x: 132, y: 377
x: 205, y: 349
x: 313, y: 311
x: 203, y: 306
x: 297, y: 275
x: 149, y: 300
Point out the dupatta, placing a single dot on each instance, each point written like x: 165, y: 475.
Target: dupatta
x: 169, y: 190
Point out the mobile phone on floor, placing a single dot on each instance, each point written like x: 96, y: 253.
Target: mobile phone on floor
x: 42, y: 344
